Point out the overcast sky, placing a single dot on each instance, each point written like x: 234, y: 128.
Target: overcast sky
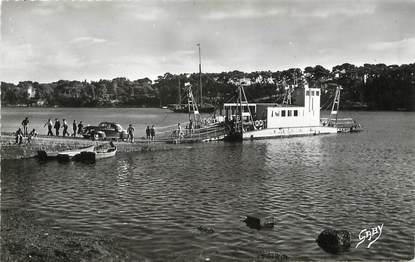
x: 48, y: 41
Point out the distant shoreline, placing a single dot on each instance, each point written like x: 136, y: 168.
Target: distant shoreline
x: 342, y: 109
x: 367, y: 87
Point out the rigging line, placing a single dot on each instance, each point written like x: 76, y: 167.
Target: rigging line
x: 325, y: 106
x: 330, y: 102
x: 165, y: 117
x: 217, y: 106
x: 329, y: 105
x: 184, y: 97
x: 231, y: 98
x: 170, y: 126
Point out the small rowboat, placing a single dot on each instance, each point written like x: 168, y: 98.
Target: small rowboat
x: 92, y: 156
x: 70, y: 154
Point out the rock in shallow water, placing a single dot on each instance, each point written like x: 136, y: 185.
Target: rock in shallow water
x: 256, y: 223
x: 205, y: 229
x: 334, y: 241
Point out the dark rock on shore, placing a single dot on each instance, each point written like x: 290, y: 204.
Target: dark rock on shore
x: 334, y: 241
x: 24, y: 239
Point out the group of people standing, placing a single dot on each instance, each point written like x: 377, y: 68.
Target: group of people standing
x: 150, y: 133
x: 24, y: 133
x: 77, y: 128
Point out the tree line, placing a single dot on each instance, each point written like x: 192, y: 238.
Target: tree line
x: 371, y: 87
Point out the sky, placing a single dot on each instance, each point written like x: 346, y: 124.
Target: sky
x: 46, y: 41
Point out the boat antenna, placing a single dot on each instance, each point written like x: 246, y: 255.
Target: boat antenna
x: 200, y: 75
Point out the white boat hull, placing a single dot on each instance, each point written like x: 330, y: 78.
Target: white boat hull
x: 69, y: 154
x: 99, y: 154
x: 285, y: 132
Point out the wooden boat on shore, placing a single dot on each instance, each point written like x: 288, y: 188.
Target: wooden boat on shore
x: 68, y: 155
x: 93, y: 156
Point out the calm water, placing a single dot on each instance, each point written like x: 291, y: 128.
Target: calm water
x: 152, y: 203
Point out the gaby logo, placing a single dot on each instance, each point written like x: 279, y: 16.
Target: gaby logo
x: 369, y: 234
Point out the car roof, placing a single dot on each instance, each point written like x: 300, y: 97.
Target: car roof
x: 112, y: 123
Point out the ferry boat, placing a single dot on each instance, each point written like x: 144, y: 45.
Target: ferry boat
x: 249, y: 121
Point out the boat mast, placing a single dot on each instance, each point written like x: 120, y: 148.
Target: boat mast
x: 240, y: 110
x: 200, y: 75
x: 180, y: 96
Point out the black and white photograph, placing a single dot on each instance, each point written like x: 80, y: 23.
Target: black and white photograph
x: 207, y: 130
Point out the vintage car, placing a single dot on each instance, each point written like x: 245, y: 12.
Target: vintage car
x: 105, y: 131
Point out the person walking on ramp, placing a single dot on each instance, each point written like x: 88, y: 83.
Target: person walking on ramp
x: 80, y: 128
x: 74, y: 128
x: 179, y: 131
x: 148, y: 136
x: 152, y: 132
x: 50, y: 125
x: 57, y: 126
x: 130, y: 132
x: 65, y: 128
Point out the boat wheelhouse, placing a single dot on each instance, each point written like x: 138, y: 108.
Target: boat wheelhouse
x: 270, y: 120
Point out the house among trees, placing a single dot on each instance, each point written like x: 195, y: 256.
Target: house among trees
x: 31, y: 92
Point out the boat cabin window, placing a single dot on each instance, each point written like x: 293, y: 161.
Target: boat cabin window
x: 290, y: 113
x: 312, y: 93
x: 317, y: 93
x: 295, y: 112
x: 277, y: 113
x: 307, y: 93
x: 283, y: 113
